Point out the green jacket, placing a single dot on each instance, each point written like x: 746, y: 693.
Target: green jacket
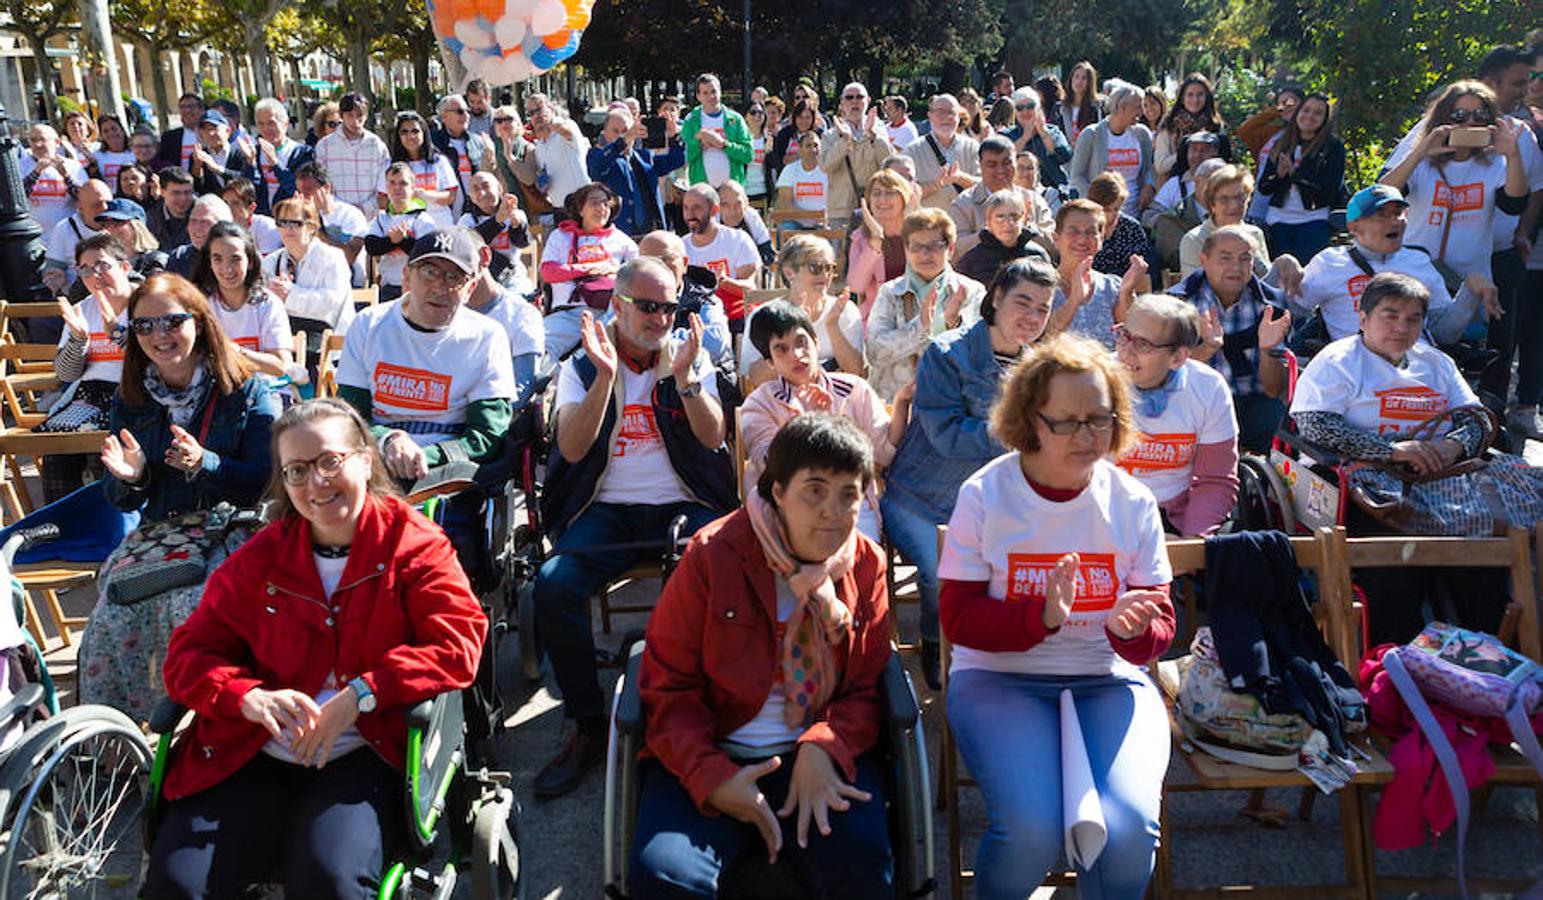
x: 734, y: 130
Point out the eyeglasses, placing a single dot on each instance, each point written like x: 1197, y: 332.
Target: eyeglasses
x: 164, y: 324
x: 289, y: 223
x: 929, y: 247
x: 854, y: 97
x: 1095, y: 424
x: 503, y: 120
x: 459, y: 112
x: 101, y: 268
x: 1479, y: 116
x: 650, y: 307
x: 1141, y: 345
x: 1025, y: 107
x: 819, y: 268
x: 329, y: 465
x: 1535, y: 75
x: 331, y: 123
x: 436, y: 277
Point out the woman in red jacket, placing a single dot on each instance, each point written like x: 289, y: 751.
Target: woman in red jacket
x: 760, y: 685
x: 309, y: 645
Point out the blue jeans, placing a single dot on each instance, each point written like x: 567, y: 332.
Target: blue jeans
x: 1259, y: 417
x: 1302, y: 241
x: 567, y: 581
x: 678, y: 852
x: 1009, y: 732
x: 325, y: 832
x: 915, y: 535
x: 562, y: 331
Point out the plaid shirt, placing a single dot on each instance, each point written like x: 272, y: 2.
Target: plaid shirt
x: 355, y: 166
x: 1238, y: 361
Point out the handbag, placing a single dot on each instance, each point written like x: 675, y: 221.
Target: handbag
x: 1230, y: 724
x: 595, y: 292
x: 83, y: 409
x: 169, y: 554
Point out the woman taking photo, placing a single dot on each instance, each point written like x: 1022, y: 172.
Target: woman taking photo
x: 784, y: 334
x: 947, y: 438
x: 808, y: 266
x: 230, y: 272
x: 760, y: 685
x: 189, y: 428
x: 1304, y: 177
x: 877, y: 253
x: 1194, y: 109
x: 1082, y: 105
x: 310, y: 276
x: 434, y: 179
x: 299, y: 711
x: 1055, y: 580
x: 1186, y: 451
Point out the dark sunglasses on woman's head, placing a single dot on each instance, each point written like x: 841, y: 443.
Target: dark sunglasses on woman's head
x: 167, y: 323
x: 1477, y: 116
x: 651, y: 307
x: 331, y: 123
x: 503, y: 120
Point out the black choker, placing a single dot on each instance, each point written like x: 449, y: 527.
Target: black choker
x: 330, y: 552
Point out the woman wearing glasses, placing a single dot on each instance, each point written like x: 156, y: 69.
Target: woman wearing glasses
x: 1186, y: 450
x: 434, y: 180
x: 325, y: 120
x: 189, y: 428
x: 310, y: 276
x: 1466, y: 145
x: 299, y: 709
x: 1034, y: 133
x: 808, y: 265
x: 1055, y: 583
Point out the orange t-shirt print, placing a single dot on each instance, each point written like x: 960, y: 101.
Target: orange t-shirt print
x: 1356, y: 286
x: 1160, y: 452
x: 1403, y: 408
x: 637, y: 429
x: 101, y: 348
x: 1458, y: 198
x: 591, y: 251
x: 1097, y: 587
x: 411, y: 388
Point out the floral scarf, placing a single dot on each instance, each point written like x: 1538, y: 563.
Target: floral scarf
x: 819, y: 622
x: 181, y: 404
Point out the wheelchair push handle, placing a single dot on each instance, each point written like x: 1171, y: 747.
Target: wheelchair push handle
x: 27, y: 538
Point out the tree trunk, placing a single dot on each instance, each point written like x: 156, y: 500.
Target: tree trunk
x: 158, y: 72
x: 100, y: 63
x: 262, y: 63
x: 419, y: 49
x: 190, y: 82
x: 45, y: 69
x: 359, y: 67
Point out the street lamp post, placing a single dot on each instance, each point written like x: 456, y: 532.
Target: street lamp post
x: 21, y: 237
x: 748, y: 87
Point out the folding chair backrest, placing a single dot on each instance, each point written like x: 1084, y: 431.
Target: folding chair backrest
x: 326, y: 366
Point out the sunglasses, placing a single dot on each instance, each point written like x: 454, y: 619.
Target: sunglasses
x: 1477, y: 116
x: 503, y: 120
x: 331, y: 123
x: 289, y: 223
x: 651, y: 307
x: 1024, y: 107
x: 101, y: 268
x: 819, y: 268
x: 854, y: 97
x: 165, y: 324
x: 329, y: 466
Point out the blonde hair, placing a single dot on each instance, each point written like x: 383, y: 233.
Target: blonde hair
x: 1015, y: 416
x: 800, y: 250
x: 928, y: 219
x: 1228, y: 174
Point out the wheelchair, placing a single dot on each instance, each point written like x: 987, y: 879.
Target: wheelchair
x: 907, y: 789
x: 447, y: 782
x: 70, y: 782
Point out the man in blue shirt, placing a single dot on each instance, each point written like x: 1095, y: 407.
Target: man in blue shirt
x: 632, y: 171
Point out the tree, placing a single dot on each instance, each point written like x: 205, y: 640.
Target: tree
x: 249, y: 20
x: 160, y: 27
x: 360, y: 23
x: 38, y: 21
x: 1130, y: 38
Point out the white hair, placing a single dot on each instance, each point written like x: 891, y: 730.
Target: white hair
x: 1025, y: 94
x: 215, y: 204
x: 1208, y: 167
x: 274, y: 106
x: 446, y: 99
x: 1121, y: 93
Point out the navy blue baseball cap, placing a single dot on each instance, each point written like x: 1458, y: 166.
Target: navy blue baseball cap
x: 122, y: 209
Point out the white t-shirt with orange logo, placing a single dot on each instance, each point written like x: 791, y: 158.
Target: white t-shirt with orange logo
x: 104, y: 357
x: 1125, y: 158
x: 256, y: 326
x: 729, y: 251
x: 1200, y: 414
x: 50, y: 196
x: 1004, y: 533
x: 1466, y: 193
x: 1332, y: 283
x: 426, y: 376
x: 639, y: 472
x: 809, y: 186
x: 1376, y: 396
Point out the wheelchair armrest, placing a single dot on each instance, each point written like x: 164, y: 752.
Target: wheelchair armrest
x: 24, y: 701
x: 900, y: 710
x: 421, y: 714
x: 1302, y: 445
x: 629, y: 708
x: 166, y: 715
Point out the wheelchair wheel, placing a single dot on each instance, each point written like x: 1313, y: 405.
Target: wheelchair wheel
x: 1262, y: 501
x: 525, y: 615
x: 495, y: 862
x: 75, y: 827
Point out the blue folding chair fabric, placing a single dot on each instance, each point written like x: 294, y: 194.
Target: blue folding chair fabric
x: 90, y: 527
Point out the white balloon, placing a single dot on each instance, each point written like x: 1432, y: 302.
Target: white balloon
x: 468, y: 32
x: 520, y: 9
x: 519, y: 67
x: 549, y: 16
x: 509, y: 31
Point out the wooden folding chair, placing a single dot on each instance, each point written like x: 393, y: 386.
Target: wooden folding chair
x: 326, y: 365
x: 1519, y: 630
x: 1316, y: 555
x: 365, y: 296
x: 794, y: 221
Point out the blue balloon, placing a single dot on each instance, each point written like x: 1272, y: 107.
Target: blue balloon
x: 547, y: 57
x: 454, y: 45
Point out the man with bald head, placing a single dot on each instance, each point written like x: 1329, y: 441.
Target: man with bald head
x: 695, y: 288
x: 633, y: 171
x: 639, y: 442
x: 728, y: 253
x: 59, y: 266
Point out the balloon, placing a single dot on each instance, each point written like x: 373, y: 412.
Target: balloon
x: 468, y: 32
x: 557, y: 39
x: 509, y: 31
x: 520, y: 9
x: 531, y: 43
x: 578, y: 13
x: 548, y: 17
x: 547, y: 57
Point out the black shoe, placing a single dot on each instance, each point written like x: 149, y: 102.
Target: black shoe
x: 932, y: 665
x: 583, y: 749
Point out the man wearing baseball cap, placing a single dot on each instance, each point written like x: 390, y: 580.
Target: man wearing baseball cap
x: 125, y: 220
x: 433, y: 378
x: 1333, y: 280
x: 215, y: 159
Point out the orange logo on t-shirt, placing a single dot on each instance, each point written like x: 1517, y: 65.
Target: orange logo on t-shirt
x: 1460, y: 197
x: 411, y: 388
x: 1097, y: 587
x: 637, y: 428
x: 1356, y: 285
x: 102, y: 348
x: 47, y: 189
x: 591, y: 251
x: 719, y: 267
x: 1159, y: 452
x: 1408, y: 404
x: 1124, y: 158
x: 806, y: 189
x: 426, y: 181
x: 249, y: 343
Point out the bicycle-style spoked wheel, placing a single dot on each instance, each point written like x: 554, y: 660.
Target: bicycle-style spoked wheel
x: 76, y: 830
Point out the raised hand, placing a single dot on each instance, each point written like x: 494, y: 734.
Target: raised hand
x: 1081, y: 288
x: 1274, y: 325
x: 953, y: 307
x: 686, y: 353
x: 929, y: 304
x: 1061, y: 591
x: 598, y: 346
x: 740, y: 798
x: 1134, y: 272
x: 185, y: 453
x: 1505, y: 136
x: 871, y: 120
x: 1434, y: 144
x: 74, y: 320
x: 1211, y: 334
x: 1132, y: 612
x: 871, y: 222
x: 123, y: 457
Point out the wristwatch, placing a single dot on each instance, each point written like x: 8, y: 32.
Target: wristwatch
x: 364, y: 694
x: 691, y: 391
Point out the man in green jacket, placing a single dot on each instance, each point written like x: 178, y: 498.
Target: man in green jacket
x: 717, y: 139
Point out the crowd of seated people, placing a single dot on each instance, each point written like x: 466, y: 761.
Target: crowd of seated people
x: 1053, y: 325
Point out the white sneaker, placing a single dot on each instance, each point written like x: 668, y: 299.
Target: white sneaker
x: 1525, y: 420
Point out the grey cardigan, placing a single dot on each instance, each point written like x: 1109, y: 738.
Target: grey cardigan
x: 1092, y: 156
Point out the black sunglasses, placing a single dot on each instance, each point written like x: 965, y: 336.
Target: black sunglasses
x: 651, y: 307
x: 1478, y: 116
x: 167, y: 323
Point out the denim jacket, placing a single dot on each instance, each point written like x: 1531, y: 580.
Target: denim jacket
x: 237, y: 456
x: 947, y: 439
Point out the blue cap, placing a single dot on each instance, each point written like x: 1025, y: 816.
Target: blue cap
x: 122, y: 209
x: 213, y: 117
x: 1370, y: 199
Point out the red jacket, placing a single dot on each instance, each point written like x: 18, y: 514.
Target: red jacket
x: 403, y: 617
x: 711, y: 657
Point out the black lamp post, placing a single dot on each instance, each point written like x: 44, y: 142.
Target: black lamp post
x: 21, y: 237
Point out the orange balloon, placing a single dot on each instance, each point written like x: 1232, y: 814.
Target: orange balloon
x: 557, y: 39
x: 444, y: 18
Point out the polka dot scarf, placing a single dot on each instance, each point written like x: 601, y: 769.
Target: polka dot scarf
x: 819, y: 622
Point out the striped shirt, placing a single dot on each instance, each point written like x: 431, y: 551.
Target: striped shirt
x: 355, y: 166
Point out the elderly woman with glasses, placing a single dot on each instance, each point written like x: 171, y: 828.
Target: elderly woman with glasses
x: 311, y: 276
x: 189, y: 428
x: 1034, y: 132
x: 808, y: 266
